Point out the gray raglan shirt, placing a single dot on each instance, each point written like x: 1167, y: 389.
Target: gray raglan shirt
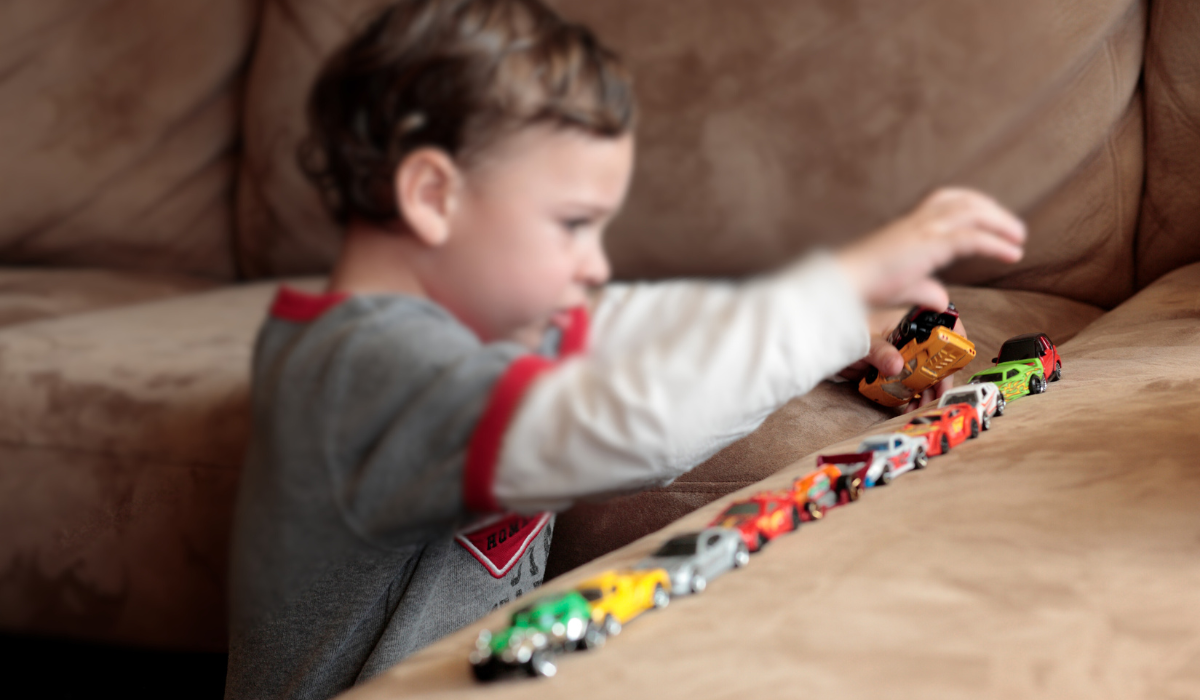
x: 345, y: 556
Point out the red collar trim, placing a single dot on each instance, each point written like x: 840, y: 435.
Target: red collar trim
x: 575, y: 333
x: 302, y: 307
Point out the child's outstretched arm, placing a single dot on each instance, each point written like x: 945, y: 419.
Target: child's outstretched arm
x: 682, y: 369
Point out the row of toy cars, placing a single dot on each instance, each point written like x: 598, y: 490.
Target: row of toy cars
x: 586, y: 617
x: 599, y: 608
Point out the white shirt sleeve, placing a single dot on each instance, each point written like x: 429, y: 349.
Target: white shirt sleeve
x: 677, y: 370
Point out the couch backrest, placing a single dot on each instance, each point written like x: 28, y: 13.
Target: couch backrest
x: 771, y: 126
x: 118, y: 127
x: 1169, y: 235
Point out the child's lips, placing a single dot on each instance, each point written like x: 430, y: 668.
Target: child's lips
x: 562, y: 319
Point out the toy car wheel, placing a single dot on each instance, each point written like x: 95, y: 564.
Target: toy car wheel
x: 699, y: 583
x: 541, y: 664
x: 886, y: 477
x: 760, y: 542
x: 796, y: 516
x: 921, y: 460
x: 945, y: 444
x: 593, y: 638
x: 871, y: 376
x: 486, y: 671
x: 851, y: 486
x: 813, y: 510
x: 1057, y: 371
x: 612, y: 626
x: 1000, y: 403
x: 741, y: 557
x: 1037, y: 385
x: 987, y: 422
x: 661, y: 598
x: 974, y: 428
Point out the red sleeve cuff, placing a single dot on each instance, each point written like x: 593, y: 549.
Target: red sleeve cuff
x: 302, y: 307
x: 483, y: 451
x: 575, y: 333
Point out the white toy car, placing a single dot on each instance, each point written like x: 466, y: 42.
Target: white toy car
x: 985, y: 397
x: 885, y: 456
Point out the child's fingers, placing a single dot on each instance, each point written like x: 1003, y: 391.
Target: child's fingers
x: 974, y: 241
x: 885, y: 357
x: 926, y: 292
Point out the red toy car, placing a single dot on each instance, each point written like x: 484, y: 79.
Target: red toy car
x: 945, y: 427
x: 760, y: 518
x: 1032, y: 346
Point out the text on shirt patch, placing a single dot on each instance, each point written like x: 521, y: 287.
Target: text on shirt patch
x: 499, y: 544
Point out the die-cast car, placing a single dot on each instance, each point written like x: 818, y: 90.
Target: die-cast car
x: 931, y: 353
x: 823, y: 488
x: 616, y: 597
x: 985, y: 397
x: 1015, y: 379
x: 1032, y: 346
x: 760, y: 518
x: 536, y: 633
x: 893, y: 454
x: 696, y: 558
x: 944, y: 427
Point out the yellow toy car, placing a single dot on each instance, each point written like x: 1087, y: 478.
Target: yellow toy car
x: 616, y: 597
x: 931, y: 352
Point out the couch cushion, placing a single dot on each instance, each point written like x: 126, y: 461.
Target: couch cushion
x: 118, y: 125
x: 1057, y: 556
x: 770, y: 126
x: 32, y: 294
x: 1169, y: 234
x: 829, y: 413
x: 122, y: 434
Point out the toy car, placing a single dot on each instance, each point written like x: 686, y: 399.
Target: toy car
x: 616, y: 597
x: 823, y: 488
x: 944, y: 427
x: 1032, y: 346
x: 1015, y: 379
x: 694, y: 559
x: 985, y: 397
x: 931, y: 353
x: 537, y: 632
x: 894, y: 454
x: 918, y: 325
x: 760, y: 518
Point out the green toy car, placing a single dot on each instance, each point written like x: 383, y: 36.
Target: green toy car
x: 538, y: 632
x: 1014, y: 379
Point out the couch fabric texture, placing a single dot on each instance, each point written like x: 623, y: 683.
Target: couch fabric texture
x: 149, y: 191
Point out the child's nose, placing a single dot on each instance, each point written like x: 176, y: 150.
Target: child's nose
x: 595, y: 269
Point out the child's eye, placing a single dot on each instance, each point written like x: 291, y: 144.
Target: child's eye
x: 576, y: 225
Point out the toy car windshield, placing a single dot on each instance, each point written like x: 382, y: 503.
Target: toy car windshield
x: 993, y: 377
x: 743, y: 509
x: 923, y: 420
x: 919, y: 325
x: 591, y: 595
x: 875, y: 446
x: 967, y: 397
x: 1020, y: 350
x: 678, y: 547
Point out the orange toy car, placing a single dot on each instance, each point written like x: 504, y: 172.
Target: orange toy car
x: 931, y: 350
x: 823, y: 488
x: 944, y: 428
x: 760, y: 518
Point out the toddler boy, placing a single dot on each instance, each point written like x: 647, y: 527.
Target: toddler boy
x: 407, y: 453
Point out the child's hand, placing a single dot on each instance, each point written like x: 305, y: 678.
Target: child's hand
x: 894, y: 266
x: 888, y: 360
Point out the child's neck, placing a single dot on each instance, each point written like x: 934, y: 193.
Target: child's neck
x: 376, y: 260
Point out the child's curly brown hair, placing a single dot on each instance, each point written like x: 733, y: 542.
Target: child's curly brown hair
x: 456, y: 75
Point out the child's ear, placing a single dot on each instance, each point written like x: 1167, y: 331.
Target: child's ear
x: 426, y: 185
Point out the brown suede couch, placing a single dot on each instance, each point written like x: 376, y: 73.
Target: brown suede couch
x: 150, y: 196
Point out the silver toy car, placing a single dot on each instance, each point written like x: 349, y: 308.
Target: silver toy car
x: 985, y: 397
x: 694, y: 559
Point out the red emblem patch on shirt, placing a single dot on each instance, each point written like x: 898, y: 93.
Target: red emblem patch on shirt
x: 500, y: 542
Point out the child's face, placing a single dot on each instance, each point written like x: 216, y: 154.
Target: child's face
x: 526, y: 228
